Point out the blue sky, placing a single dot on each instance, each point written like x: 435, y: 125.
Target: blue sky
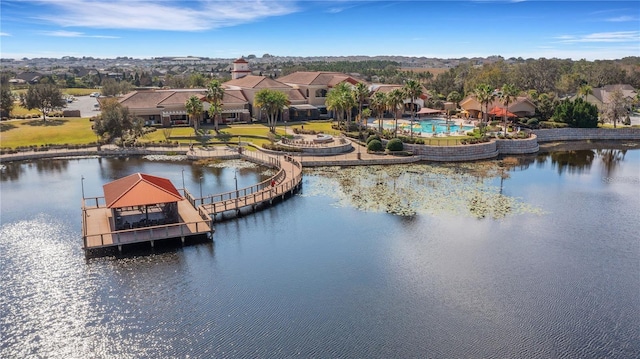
x: 228, y: 29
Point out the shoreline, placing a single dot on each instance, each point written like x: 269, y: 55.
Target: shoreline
x: 359, y: 156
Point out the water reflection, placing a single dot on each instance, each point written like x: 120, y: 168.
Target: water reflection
x: 578, y: 158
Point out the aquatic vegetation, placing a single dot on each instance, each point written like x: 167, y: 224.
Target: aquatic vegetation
x: 165, y: 157
x: 238, y: 164
x: 407, y: 190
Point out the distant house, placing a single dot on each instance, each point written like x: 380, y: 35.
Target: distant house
x: 167, y: 107
x: 249, y: 85
x: 30, y: 77
x: 600, y: 95
x: 521, y: 106
x: 314, y: 86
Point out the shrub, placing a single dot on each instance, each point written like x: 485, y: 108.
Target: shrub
x: 275, y: 147
x: 549, y: 124
x: 374, y: 145
x: 372, y: 137
x: 395, y: 145
x: 532, y: 122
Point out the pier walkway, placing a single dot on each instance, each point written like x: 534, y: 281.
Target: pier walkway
x: 285, y: 182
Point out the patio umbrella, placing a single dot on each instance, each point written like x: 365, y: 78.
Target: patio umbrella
x: 500, y: 112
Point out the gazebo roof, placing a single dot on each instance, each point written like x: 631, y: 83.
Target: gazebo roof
x: 139, y: 189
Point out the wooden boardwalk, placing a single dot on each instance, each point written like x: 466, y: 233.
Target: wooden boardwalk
x: 286, y: 181
x: 196, y: 214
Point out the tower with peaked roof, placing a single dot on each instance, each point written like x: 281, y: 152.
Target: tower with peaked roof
x: 240, y: 69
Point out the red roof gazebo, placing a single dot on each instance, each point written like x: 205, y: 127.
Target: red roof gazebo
x: 142, y: 199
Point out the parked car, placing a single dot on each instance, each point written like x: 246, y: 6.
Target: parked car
x: 95, y: 94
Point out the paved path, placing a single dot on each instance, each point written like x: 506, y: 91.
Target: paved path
x: 359, y: 156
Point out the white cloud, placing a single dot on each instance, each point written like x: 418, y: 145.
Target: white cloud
x: 63, y: 33
x: 621, y: 19
x: 170, y: 16
x: 617, y: 36
x: 5, y: 34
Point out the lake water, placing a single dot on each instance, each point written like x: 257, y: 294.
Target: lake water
x: 527, y: 257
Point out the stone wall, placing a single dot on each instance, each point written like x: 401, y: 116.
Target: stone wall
x: 474, y: 152
x: 518, y: 147
x: 577, y: 134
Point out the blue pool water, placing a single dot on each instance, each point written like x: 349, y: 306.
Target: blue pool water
x: 427, y: 126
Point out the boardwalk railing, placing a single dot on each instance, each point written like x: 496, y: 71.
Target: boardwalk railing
x: 264, y: 191
x: 146, y: 234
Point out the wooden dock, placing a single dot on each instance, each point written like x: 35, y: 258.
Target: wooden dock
x: 99, y: 226
x: 195, y: 215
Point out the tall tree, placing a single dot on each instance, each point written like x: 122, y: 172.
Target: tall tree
x: 6, y: 100
x: 509, y: 93
x: 395, y: 101
x: 485, y: 95
x: 455, y: 97
x: 272, y: 102
x: 44, y: 97
x: 111, y: 87
x: 115, y: 121
x: 194, y: 110
x: 341, y: 99
x: 413, y: 90
x: 361, y: 94
x: 214, y: 96
x: 379, y: 105
x: 617, y: 107
x: 584, y: 91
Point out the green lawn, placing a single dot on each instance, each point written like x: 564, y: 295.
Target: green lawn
x: 20, y: 133
x: 55, y: 131
x: 78, y: 91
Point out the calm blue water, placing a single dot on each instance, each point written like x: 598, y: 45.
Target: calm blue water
x: 324, y: 274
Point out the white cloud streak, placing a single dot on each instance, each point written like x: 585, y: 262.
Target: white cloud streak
x: 623, y: 18
x: 64, y: 33
x: 164, y: 15
x: 5, y: 34
x: 616, y: 36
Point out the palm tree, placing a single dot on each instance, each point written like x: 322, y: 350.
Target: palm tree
x: 214, y: 95
x: 361, y: 95
x: 584, y: 91
x: 379, y: 104
x: 455, y: 97
x: 485, y: 95
x: 395, y: 100
x: 341, y: 99
x: 272, y: 102
x: 412, y: 90
x: 194, y: 110
x: 509, y: 93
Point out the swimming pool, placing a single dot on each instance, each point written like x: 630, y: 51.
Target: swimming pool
x: 426, y: 126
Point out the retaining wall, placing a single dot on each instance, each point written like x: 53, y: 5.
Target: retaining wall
x: 479, y: 151
x: 578, y: 134
x: 518, y: 147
